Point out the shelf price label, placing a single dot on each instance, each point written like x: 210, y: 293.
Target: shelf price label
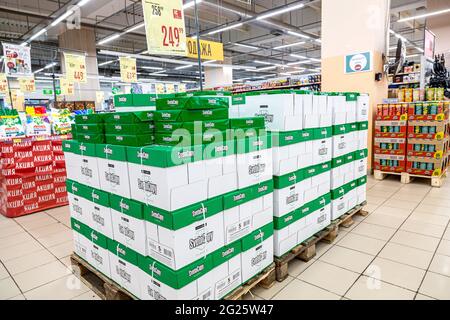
x: 164, y: 27
x: 67, y: 87
x: 128, y: 69
x: 27, y: 85
x: 160, y: 88
x: 75, y: 68
x: 4, y: 88
x: 170, y: 88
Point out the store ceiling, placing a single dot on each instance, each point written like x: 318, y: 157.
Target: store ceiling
x: 264, y: 40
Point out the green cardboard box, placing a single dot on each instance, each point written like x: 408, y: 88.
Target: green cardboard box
x: 123, y: 100
x: 91, y: 137
x: 169, y: 127
x: 130, y: 140
x: 130, y: 129
x: 128, y: 117
x: 88, y: 118
x: 191, y: 115
x: 95, y: 128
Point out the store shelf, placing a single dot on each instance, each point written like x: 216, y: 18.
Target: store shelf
x: 404, y: 73
x: 280, y: 87
x: 404, y: 83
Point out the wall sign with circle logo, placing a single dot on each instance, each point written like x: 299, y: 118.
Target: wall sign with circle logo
x: 359, y: 62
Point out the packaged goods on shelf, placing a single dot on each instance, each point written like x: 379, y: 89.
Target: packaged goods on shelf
x: 37, y: 122
x: 428, y: 148
x: 436, y: 130
x: 32, y: 175
x: 427, y: 166
x: 10, y: 124
x: 396, y: 146
x: 428, y: 111
x: 390, y: 163
x: 434, y: 94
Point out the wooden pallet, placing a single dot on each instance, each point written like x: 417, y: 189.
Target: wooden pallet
x: 307, y: 250
x: 265, y: 279
x: 104, y: 287
x: 406, y: 177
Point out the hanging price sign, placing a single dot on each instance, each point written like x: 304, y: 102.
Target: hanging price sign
x: 67, y: 87
x: 27, y: 85
x: 181, y: 87
x: 75, y: 68
x: 4, y: 88
x: 164, y: 26
x: 128, y: 72
x: 160, y: 88
x: 100, y: 96
x: 170, y: 88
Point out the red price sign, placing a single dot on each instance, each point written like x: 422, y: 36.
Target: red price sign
x: 171, y: 36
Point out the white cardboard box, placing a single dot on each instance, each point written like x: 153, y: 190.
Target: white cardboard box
x: 113, y: 174
x: 254, y: 167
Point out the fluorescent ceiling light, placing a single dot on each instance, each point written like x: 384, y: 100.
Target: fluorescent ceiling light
x: 23, y: 44
x: 190, y: 4
x: 290, y: 45
x: 61, y: 18
x: 262, y: 62
x: 159, y: 72
x: 299, y: 71
x: 43, y: 78
x: 413, y: 55
x: 245, y: 46
x: 136, y: 27
x: 106, y: 63
x: 435, y: 13
x: 184, y: 67
x: 318, y: 40
x: 109, y: 39
x: 210, y: 61
x: 152, y: 68
x: 39, y: 70
x: 420, y: 49
x: 232, y: 26
x: 298, y: 62
x: 285, y: 74
x: 50, y: 65
x: 36, y: 35
x: 82, y: 3
x: 292, y: 33
x: 281, y: 11
x: 298, y: 56
x: 188, y: 81
x: 315, y: 60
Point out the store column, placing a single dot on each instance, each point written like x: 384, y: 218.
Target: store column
x: 350, y: 27
x: 82, y: 41
x: 219, y: 76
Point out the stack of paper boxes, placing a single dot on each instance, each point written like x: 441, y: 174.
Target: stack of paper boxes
x: 176, y: 221
x: 135, y: 102
x: 349, y: 165
x: 300, y: 123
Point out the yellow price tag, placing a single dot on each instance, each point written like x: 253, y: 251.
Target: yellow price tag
x: 27, y: 85
x: 4, y: 88
x: 75, y: 68
x: 128, y: 70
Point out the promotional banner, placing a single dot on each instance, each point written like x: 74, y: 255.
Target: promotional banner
x: 209, y: 50
x: 170, y: 88
x: 67, y: 87
x: 359, y: 62
x: 160, y: 88
x: 17, y: 60
x: 4, y: 88
x: 164, y: 27
x: 75, y: 68
x: 128, y: 71
x: 100, y: 96
x: 27, y: 85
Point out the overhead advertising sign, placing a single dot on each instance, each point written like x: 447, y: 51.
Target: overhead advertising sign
x: 359, y: 62
x: 27, y: 85
x: 4, y: 88
x: 209, y: 50
x: 128, y: 71
x: 17, y: 60
x: 67, y: 87
x: 99, y: 96
x: 164, y: 27
x: 430, y: 40
x: 75, y: 68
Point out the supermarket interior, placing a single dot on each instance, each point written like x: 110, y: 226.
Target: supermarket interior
x: 224, y: 150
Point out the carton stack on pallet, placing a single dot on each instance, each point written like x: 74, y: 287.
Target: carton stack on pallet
x: 390, y: 138
x: 168, y: 221
x: 303, y: 153
x: 349, y: 163
x: 428, y: 138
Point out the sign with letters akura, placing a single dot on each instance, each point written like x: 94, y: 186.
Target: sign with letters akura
x: 209, y: 50
x: 359, y: 62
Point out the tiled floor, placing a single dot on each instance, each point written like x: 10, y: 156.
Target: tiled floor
x: 401, y: 250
